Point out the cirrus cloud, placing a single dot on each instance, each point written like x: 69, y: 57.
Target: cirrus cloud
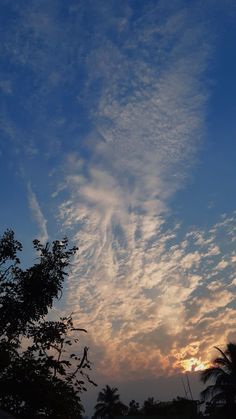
x: 145, y: 293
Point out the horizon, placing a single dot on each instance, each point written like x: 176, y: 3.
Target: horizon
x: 118, y: 131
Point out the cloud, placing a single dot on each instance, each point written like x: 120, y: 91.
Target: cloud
x: 37, y: 215
x: 121, y: 96
x: 6, y: 86
x: 144, y: 292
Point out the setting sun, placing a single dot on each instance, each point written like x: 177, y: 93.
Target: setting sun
x: 193, y: 364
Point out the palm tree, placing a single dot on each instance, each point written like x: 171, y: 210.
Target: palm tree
x: 223, y: 374
x: 109, y: 403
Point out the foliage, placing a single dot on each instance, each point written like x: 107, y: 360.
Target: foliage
x: 134, y: 409
x: 39, y: 376
x: 109, y: 404
x: 222, y: 393
x: 179, y: 407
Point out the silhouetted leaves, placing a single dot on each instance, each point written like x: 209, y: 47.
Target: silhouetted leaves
x: 222, y: 391
x: 38, y: 375
x: 109, y: 404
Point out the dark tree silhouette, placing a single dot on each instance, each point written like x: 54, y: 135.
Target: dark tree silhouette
x: 179, y: 407
x: 150, y: 407
x: 134, y: 409
x: 222, y: 392
x: 39, y: 376
x: 109, y: 404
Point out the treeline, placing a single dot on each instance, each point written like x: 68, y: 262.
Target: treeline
x: 109, y: 405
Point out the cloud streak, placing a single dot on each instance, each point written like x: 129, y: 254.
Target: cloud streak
x: 37, y: 215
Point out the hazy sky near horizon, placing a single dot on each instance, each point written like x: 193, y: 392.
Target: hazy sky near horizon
x: 117, y: 129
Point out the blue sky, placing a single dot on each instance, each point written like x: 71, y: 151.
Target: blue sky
x: 117, y: 129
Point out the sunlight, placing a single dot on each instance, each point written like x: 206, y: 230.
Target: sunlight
x: 193, y: 364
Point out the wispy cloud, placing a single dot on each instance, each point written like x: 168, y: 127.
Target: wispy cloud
x: 136, y: 286
x: 37, y: 215
x: 160, y: 307
x: 121, y: 95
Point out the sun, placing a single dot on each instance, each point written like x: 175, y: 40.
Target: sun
x: 193, y: 364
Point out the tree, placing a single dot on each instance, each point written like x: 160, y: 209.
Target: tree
x: 134, y: 409
x: 39, y: 376
x: 150, y: 407
x: 179, y: 407
x: 109, y: 404
x: 222, y: 393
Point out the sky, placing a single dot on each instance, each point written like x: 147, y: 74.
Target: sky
x: 117, y: 130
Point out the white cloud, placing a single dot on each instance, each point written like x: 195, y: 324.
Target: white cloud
x: 222, y: 265
x: 134, y: 277
x: 37, y: 215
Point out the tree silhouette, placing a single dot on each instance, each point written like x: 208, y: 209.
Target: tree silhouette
x: 150, y: 407
x: 109, y: 404
x: 39, y: 376
x: 134, y: 409
x: 222, y: 392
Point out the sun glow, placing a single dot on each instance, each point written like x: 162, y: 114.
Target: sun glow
x: 193, y: 364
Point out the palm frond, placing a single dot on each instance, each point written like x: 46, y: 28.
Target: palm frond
x: 214, y: 392
x: 211, y: 373
x: 231, y: 352
x: 108, y: 400
x: 226, y: 359
x: 208, y: 393
x: 223, y: 379
x: 100, y: 410
x: 99, y: 406
x: 223, y: 374
x: 221, y: 362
